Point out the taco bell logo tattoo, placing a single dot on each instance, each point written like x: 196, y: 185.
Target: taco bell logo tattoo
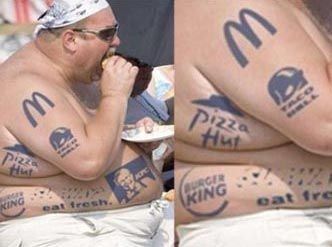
x: 63, y: 141
x: 291, y: 91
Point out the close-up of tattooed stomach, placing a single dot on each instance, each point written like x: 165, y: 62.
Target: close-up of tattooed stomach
x: 30, y: 186
x: 239, y: 147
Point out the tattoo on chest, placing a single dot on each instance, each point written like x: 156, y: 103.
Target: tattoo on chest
x: 35, y: 106
x: 291, y: 91
x: 19, y: 160
x: 130, y: 180
x: 247, y: 31
x: 203, y: 196
x: 12, y: 205
x: 216, y: 128
x: 63, y: 141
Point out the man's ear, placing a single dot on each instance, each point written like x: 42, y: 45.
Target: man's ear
x: 69, y: 40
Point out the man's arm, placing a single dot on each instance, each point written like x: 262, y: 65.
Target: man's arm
x: 44, y: 121
x: 258, y: 54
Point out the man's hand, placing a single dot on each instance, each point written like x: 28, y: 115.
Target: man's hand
x: 118, y: 77
x: 147, y: 123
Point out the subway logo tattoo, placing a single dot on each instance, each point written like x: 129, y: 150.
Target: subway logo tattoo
x: 12, y: 205
x: 203, y: 196
x: 291, y: 91
x: 128, y: 181
x: 218, y: 129
x: 246, y: 30
x: 36, y: 106
x: 20, y: 161
x: 63, y: 141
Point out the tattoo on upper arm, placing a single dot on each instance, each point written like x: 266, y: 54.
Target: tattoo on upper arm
x: 291, y: 91
x: 63, y: 141
x: 127, y: 181
x: 246, y: 30
x: 20, y: 161
x: 12, y: 205
x: 218, y: 129
x: 203, y: 196
x: 35, y: 104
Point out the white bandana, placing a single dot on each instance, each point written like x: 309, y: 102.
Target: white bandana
x: 66, y: 12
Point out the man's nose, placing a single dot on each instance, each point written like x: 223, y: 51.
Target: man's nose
x: 116, y: 41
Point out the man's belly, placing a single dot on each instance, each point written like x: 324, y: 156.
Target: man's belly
x: 286, y: 177
x: 133, y: 180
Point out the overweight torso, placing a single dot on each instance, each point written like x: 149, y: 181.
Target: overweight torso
x: 31, y: 186
x: 228, y: 162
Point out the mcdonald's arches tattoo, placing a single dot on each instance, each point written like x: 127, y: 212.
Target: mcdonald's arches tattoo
x: 246, y: 30
x: 203, y: 196
x: 36, y: 106
x: 63, y: 141
x: 291, y: 91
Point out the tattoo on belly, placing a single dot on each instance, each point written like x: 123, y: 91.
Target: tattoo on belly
x: 12, y: 205
x: 291, y: 91
x: 244, y: 28
x: 299, y: 177
x: 63, y: 141
x: 130, y: 180
x: 35, y: 105
x: 19, y: 160
x: 309, y: 180
x: 74, y: 198
x: 218, y: 129
x: 69, y: 193
x: 203, y: 196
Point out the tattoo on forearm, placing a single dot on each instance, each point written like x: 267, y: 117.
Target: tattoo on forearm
x: 35, y: 105
x: 63, y: 141
x: 20, y: 161
x: 129, y: 180
x: 291, y: 91
x: 218, y: 130
x: 207, y: 191
x: 12, y: 205
x: 246, y: 30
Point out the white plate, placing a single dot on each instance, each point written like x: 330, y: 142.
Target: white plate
x: 139, y: 135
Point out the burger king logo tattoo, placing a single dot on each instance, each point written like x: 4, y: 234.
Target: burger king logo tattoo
x: 203, y: 196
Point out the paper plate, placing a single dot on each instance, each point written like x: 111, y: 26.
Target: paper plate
x: 139, y: 135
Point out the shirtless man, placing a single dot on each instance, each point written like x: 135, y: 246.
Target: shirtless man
x: 240, y: 178
x: 56, y: 157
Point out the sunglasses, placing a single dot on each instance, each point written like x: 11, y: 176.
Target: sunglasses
x: 106, y: 34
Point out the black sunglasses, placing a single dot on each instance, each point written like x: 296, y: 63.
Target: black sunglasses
x: 106, y: 34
